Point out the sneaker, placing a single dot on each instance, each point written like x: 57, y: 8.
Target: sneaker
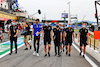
x: 69, y: 55
x: 48, y: 54
x: 55, y: 54
x: 80, y: 53
x: 37, y: 54
x: 83, y: 56
x: 34, y: 53
x: 59, y: 55
x: 66, y: 52
x: 63, y: 50
x: 45, y: 55
x: 30, y: 47
x: 10, y: 53
x: 26, y: 49
x: 15, y: 52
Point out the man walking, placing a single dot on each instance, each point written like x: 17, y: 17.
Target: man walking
x: 37, y: 29
x: 84, y: 38
x: 68, y: 39
x: 13, y: 37
x: 47, y: 30
x: 57, y: 39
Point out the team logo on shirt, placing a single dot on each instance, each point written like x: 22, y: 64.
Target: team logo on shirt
x: 85, y: 30
x: 49, y: 28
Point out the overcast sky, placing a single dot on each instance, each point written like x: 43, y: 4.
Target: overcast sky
x: 54, y: 8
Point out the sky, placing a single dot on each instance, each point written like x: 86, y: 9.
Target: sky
x: 53, y: 9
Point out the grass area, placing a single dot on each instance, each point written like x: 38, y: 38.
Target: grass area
x: 76, y: 30
x: 91, y: 36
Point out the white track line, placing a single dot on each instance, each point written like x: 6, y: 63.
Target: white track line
x: 86, y: 57
x: 13, y: 49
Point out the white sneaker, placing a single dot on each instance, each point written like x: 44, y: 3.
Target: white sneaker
x: 37, y: 54
x: 34, y: 53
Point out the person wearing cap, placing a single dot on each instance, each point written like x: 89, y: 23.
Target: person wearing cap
x: 48, y: 36
x: 83, y: 38
x: 57, y: 39
x: 37, y: 30
x: 68, y: 38
x: 13, y: 32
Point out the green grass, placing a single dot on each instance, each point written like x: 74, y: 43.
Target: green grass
x: 91, y: 36
x: 76, y: 30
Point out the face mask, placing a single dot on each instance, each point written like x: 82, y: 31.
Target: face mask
x: 45, y: 24
x: 57, y: 26
x: 13, y: 23
x: 61, y: 27
x: 83, y: 25
x: 69, y: 26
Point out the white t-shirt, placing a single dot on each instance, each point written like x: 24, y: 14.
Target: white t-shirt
x: 31, y: 27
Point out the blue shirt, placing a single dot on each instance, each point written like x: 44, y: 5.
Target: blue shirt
x: 37, y: 29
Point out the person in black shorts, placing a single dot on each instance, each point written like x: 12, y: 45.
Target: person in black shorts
x: 57, y: 38
x: 84, y: 38
x: 68, y: 39
x: 47, y: 30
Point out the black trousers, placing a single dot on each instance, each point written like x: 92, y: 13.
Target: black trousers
x: 57, y: 45
x: 38, y: 39
x: 13, y: 39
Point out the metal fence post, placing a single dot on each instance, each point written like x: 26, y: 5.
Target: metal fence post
x: 94, y: 44
x: 90, y: 41
x: 99, y: 46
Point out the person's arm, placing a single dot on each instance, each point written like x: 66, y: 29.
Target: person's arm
x: 60, y: 36
x: 32, y: 34
x: 16, y: 33
x: 73, y: 36
x: 52, y: 35
x: 87, y: 38
x: 8, y: 35
x: 64, y: 36
x: 42, y: 35
x: 78, y: 36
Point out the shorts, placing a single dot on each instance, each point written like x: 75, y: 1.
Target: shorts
x: 83, y: 42
x: 68, y: 42
x: 26, y: 38
x: 63, y: 42
x: 47, y: 41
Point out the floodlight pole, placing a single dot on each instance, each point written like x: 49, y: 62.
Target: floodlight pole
x: 69, y: 13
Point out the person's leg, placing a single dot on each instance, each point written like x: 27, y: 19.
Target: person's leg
x: 27, y: 38
x: 55, y: 45
x: 15, y: 45
x: 61, y: 47
x: 34, y: 43
x: 59, y: 50
x: 49, y: 46
x: 1, y: 38
x: 84, y: 50
x: 69, y: 48
x: 25, y: 43
x: 11, y: 47
x: 38, y: 44
x: 80, y: 47
x: 45, y: 47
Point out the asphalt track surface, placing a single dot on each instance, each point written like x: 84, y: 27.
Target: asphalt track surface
x: 25, y: 58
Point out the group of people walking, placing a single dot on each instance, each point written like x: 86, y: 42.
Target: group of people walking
x: 62, y: 37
